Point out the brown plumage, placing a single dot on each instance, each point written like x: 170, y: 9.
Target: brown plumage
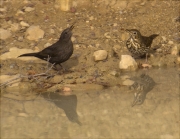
x: 139, y: 45
x: 59, y: 52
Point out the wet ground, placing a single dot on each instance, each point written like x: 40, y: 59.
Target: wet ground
x: 91, y: 100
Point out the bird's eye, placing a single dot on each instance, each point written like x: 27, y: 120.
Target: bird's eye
x: 135, y: 33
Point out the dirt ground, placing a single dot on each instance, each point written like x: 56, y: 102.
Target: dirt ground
x: 100, y: 25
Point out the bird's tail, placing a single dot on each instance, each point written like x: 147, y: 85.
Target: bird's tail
x: 154, y: 36
x: 28, y: 54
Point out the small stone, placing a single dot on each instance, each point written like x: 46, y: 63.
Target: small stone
x: 14, y: 27
x: 51, y: 31
x: 107, y: 35
x: 36, y: 49
x: 20, y: 38
x: 167, y: 136
x: 4, y: 34
x: 23, y: 115
x: 124, y: 36
x: 100, y: 55
x: 91, y: 18
x: 114, y: 73
x: 128, y: 82
x: 116, y: 48
x: 120, y: 4
x: 115, y: 24
x: 34, y: 33
x: 19, y: 12
x: 164, y: 38
x: 24, y: 24
x: 174, y: 50
x: 29, y: 9
x: 57, y: 79
x: 66, y: 89
x: 127, y: 63
x: 146, y: 66
x: 124, y: 77
x: 170, y: 42
x: 178, y: 59
x: 2, y: 10
x: 47, y: 44
x: 73, y: 39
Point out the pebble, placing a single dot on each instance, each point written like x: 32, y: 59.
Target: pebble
x: 128, y: 82
x: 170, y: 42
x: 24, y: 24
x: 100, y: 55
x: 19, y: 12
x: 178, y: 59
x: 34, y: 33
x: 29, y: 9
x: 57, y: 79
x: 121, y: 5
x: 23, y: 115
x: 4, y: 34
x: 107, y: 35
x: 14, y: 27
x: 164, y: 38
x: 124, y: 36
x: 124, y: 77
x: 2, y: 10
x: 91, y: 18
x: 20, y: 38
x: 174, y: 50
x: 51, y: 31
x: 73, y: 39
x: 116, y: 48
x: 47, y: 44
x: 127, y: 63
x: 114, y: 73
x: 167, y: 136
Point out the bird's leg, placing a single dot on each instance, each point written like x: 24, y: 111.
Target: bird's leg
x: 146, y: 57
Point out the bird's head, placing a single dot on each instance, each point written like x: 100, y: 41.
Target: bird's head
x: 138, y: 98
x: 134, y: 34
x: 67, y: 33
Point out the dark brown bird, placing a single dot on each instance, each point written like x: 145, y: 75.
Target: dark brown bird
x: 139, y: 45
x: 59, y: 52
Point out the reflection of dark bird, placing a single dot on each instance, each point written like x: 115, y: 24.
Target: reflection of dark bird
x: 139, y: 45
x: 67, y: 103
x: 142, y: 85
x: 58, y: 52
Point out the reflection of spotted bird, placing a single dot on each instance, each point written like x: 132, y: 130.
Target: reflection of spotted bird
x: 139, y: 45
x: 142, y: 85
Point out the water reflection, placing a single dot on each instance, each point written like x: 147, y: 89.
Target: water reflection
x: 142, y: 85
x: 67, y: 103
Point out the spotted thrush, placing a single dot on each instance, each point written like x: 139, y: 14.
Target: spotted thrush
x: 138, y: 44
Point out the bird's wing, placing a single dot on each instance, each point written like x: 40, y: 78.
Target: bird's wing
x: 48, y: 52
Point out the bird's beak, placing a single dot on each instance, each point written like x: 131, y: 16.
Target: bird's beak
x: 136, y: 98
x: 71, y: 27
x: 134, y: 102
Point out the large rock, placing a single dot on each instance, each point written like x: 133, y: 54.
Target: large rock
x: 127, y: 63
x: 4, y: 34
x: 15, y: 52
x: 34, y: 33
x: 100, y: 55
